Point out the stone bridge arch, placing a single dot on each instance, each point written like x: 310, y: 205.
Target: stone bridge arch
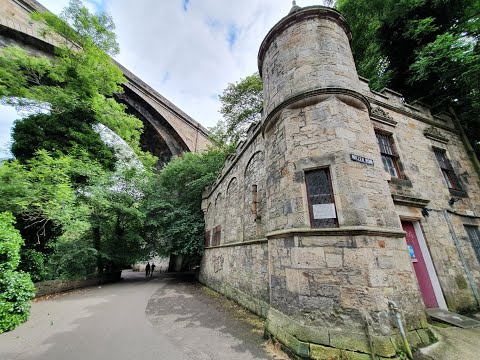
x: 168, y: 131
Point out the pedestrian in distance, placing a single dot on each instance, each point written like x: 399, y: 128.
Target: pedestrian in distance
x: 147, y: 269
x: 151, y: 269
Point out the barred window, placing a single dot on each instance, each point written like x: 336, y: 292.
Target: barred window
x: 321, y: 199
x: 207, y: 238
x: 217, y: 234
x: 474, y: 236
x: 447, y: 169
x: 389, y: 154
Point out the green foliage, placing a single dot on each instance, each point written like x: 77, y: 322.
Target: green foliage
x: 78, y: 83
x: 72, y: 259
x: 80, y: 27
x: 10, y: 243
x: 174, y: 218
x: 60, y: 133
x: 43, y: 196
x: 426, y: 49
x: 33, y: 263
x: 117, y: 218
x: 79, y: 215
x: 41, y: 191
x: 242, y: 104
x: 16, y: 288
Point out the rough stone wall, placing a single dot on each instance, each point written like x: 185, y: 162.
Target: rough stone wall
x: 324, y: 286
x: 423, y: 179
x: 311, y: 54
x: 240, y: 272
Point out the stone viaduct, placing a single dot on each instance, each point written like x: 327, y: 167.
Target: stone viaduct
x: 168, y: 130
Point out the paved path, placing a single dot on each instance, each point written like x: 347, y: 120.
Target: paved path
x: 163, y: 318
x: 454, y: 344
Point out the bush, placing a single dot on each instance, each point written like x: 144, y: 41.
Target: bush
x: 33, y: 262
x: 16, y: 287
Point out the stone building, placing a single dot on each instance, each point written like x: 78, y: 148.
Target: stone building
x: 341, y: 202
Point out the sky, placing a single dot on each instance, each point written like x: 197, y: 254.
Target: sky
x: 187, y: 50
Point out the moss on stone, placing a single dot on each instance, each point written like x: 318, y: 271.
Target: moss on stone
x: 319, y: 352
x: 350, y: 341
x: 383, y: 346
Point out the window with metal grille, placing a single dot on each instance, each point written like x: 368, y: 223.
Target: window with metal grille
x: 389, y: 154
x: 474, y: 235
x: 207, y: 238
x: 321, y: 199
x: 447, y: 169
x: 217, y: 234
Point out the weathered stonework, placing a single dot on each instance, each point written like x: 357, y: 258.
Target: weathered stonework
x: 325, y: 292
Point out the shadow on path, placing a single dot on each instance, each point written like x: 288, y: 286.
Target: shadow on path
x: 167, y: 316
x: 197, y: 318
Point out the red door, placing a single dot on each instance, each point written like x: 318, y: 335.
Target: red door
x: 416, y: 257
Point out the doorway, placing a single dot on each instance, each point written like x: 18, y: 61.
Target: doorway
x: 423, y: 266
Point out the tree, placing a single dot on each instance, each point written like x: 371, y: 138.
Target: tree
x: 78, y: 81
x: 426, y: 49
x: 60, y: 134
x: 78, y: 215
x: 16, y: 287
x: 174, y: 217
x: 242, y: 104
x: 43, y: 196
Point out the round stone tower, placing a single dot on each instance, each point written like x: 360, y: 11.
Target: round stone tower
x: 306, y: 51
x: 337, y: 252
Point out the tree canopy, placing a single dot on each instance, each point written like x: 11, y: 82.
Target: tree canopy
x: 79, y: 81
x: 174, y: 215
x: 241, y: 105
x: 426, y: 49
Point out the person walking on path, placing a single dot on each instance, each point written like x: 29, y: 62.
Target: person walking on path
x: 147, y: 269
x: 151, y: 269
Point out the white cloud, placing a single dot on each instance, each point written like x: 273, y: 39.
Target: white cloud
x: 8, y: 115
x: 190, y: 50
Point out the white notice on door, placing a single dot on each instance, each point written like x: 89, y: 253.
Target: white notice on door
x: 324, y: 211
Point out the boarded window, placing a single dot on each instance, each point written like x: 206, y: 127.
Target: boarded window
x: 320, y: 199
x: 207, y: 238
x: 217, y: 235
x: 447, y: 169
x: 474, y: 236
x: 389, y: 154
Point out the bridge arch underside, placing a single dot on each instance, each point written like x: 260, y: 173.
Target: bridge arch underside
x: 159, y: 137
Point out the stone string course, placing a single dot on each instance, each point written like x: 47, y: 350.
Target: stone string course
x: 325, y: 292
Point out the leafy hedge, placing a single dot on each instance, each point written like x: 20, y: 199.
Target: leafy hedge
x: 16, y: 287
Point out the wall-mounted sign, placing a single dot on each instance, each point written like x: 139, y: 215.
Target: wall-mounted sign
x: 324, y: 211
x: 412, y: 253
x: 361, y: 159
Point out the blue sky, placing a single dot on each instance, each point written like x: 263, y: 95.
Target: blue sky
x: 188, y: 50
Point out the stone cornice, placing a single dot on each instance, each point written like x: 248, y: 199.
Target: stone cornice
x: 305, y: 13
x: 341, y: 231
x: 380, y: 115
x: 433, y: 134
x: 316, y: 96
x: 409, y: 201
x: 411, y: 115
x: 240, y: 243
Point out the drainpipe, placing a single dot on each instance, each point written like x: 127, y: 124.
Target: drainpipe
x: 394, y: 308
x: 462, y: 258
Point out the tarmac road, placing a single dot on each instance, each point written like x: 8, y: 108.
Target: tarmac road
x: 166, y: 317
